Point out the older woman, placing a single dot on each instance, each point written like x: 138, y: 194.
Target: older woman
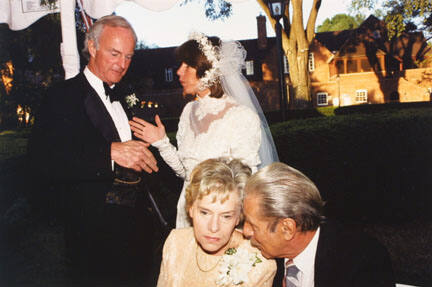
x: 225, y: 119
x: 213, y: 252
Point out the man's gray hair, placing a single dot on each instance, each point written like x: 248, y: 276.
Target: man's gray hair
x: 96, y: 30
x: 285, y: 192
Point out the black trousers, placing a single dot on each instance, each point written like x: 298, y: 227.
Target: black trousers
x: 108, y: 243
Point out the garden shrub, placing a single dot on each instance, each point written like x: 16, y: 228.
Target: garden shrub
x: 366, y: 166
x: 379, y: 108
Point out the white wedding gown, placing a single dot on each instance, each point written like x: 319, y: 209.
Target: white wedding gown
x: 211, y: 128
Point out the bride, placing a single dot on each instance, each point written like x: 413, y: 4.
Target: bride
x: 213, y: 252
x: 224, y: 120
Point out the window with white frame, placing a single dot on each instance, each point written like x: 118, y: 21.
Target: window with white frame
x: 361, y: 96
x: 322, y: 99
x: 168, y: 74
x: 311, y: 62
x: 249, y: 68
x: 286, y: 64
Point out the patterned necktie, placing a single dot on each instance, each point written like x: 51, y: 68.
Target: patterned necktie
x: 291, y: 277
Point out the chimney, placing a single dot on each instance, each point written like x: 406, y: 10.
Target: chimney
x: 262, y: 32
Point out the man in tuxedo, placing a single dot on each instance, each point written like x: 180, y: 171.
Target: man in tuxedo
x: 284, y: 219
x: 82, y: 149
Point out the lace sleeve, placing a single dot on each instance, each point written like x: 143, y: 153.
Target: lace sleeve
x: 247, y: 136
x: 169, y: 152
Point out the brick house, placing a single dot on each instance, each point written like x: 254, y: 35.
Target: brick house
x: 346, y: 67
x: 362, y: 66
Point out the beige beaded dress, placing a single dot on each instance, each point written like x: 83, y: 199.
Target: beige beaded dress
x: 181, y: 253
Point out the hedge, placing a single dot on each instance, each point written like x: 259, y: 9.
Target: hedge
x: 367, y: 166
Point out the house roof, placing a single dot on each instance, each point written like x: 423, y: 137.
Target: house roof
x: 372, y: 33
x: 334, y: 40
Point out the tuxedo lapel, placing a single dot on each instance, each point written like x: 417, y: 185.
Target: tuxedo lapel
x: 121, y: 91
x: 127, y: 110
x: 98, y: 114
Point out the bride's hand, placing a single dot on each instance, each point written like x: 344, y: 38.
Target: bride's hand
x: 147, y: 131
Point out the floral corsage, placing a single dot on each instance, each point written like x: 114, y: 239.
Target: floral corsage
x: 235, y: 266
x: 131, y: 100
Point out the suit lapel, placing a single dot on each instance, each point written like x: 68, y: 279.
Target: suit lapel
x: 324, y: 258
x: 98, y: 114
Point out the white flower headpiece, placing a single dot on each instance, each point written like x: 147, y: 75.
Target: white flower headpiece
x: 212, y: 54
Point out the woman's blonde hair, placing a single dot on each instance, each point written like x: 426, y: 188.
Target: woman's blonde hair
x: 219, y: 176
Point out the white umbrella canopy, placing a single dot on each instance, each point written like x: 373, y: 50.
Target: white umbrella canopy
x: 19, y: 14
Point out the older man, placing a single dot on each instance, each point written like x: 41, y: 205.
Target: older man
x: 82, y: 147
x: 284, y: 219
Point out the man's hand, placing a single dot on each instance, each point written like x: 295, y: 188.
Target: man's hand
x: 135, y: 155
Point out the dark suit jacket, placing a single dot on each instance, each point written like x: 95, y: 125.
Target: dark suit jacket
x: 346, y: 258
x: 71, y: 139
x: 70, y: 151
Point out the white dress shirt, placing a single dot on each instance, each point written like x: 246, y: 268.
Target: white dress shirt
x: 305, y: 262
x: 114, y: 109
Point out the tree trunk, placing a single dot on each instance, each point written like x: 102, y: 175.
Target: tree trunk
x: 296, y: 41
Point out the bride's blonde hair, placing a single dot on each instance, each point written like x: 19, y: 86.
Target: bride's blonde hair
x: 219, y: 176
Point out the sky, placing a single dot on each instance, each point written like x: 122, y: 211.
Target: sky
x: 172, y: 27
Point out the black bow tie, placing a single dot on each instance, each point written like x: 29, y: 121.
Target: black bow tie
x: 110, y: 93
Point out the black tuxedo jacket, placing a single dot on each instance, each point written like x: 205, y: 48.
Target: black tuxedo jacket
x: 346, y: 258
x: 70, y: 145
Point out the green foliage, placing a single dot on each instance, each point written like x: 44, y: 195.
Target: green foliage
x: 367, y: 166
x: 380, y: 108
x: 341, y: 22
x: 35, y: 55
x: 327, y: 111
x: 401, y: 15
x: 13, y: 144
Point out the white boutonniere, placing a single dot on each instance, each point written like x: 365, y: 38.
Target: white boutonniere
x: 235, y: 266
x: 131, y: 100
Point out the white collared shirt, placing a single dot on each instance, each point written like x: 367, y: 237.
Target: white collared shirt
x: 115, y: 109
x: 305, y: 262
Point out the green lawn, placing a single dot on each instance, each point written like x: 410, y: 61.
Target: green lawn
x: 13, y: 143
